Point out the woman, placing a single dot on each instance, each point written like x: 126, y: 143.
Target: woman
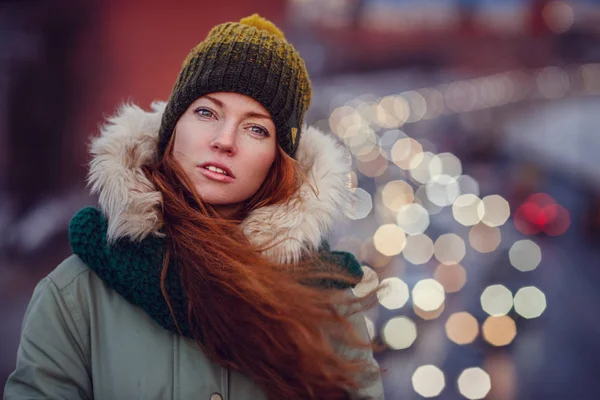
x: 205, y: 274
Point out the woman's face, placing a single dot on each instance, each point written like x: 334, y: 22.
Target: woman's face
x: 226, y: 144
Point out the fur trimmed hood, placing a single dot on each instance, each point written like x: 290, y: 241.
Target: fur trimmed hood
x: 131, y: 203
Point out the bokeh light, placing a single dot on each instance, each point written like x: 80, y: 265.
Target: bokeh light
x: 399, y: 333
x: 370, y: 255
x: 434, y: 100
x: 553, y: 82
x: 468, y: 209
x: 404, y: 151
x: 530, y: 302
x: 428, y: 381
x: 496, y: 300
x: 413, y: 219
x: 419, y: 169
x: 393, y: 294
x: 541, y: 213
x: 428, y: 294
x: 525, y: 255
x: 389, y: 239
x: 497, y: 210
x: 429, y: 315
x: 422, y: 199
x: 442, y: 190
x: 418, y: 105
x: 499, y: 331
x: 373, y: 168
x: 449, y: 249
x: 462, y: 328
x: 418, y: 249
x: 485, y: 239
x: 474, y: 383
x: 445, y: 164
x: 396, y: 194
x: 468, y: 185
x: 388, y: 139
x: 391, y: 111
x: 451, y: 277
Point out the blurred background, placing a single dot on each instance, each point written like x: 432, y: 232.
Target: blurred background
x: 474, y: 129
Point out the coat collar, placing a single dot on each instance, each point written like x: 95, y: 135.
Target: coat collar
x: 131, y: 203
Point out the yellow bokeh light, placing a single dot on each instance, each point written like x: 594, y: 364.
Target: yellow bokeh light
x: 429, y: 315
x: 449, y: 249
x: 468, y: 209
x: 391, y: 111
x: 368, y: 283
x: 530, y: 302
x: 445, y: 164
x: 496, y: 300
x: 366, y: 152
x: 525, y: 255
x: 336, y: 117
x: 399, y: 333
x: 451, y: 277
x: 496, y: 209
x: 404, y: 151
x: 389, y: 239
x: 428, y: 381
x: 474, y: 383
x: 396, y: 194
x: 393, y: 294
x: 372, y: 256
x: 413, y: 219
x: 462, y: 328
x: 485, y: 239
x: 419, y: 168
x: 499, y: 331
x: 373, y: 168
x: 428, y: 294
x: 418, y: 249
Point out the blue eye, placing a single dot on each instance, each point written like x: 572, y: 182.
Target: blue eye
x: 260, y: 130
x: 203, y: 112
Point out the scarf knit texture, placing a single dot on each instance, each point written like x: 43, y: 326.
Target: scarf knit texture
x: 133, y: 268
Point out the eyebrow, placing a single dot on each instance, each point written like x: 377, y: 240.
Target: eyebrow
x: 250, y: 114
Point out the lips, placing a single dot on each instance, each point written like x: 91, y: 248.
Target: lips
x: 220, y: 166
x: 214, y: 175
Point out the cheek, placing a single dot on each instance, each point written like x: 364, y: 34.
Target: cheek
x: 185, y: 146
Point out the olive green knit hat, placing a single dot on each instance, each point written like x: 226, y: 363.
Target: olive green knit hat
x: 251, y: 57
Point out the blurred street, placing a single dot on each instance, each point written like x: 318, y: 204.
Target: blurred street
x: 474, y: 131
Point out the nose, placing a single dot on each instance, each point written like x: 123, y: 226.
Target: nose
x: 224, y: 140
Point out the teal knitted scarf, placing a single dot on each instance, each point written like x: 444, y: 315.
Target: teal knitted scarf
x: 133, y: 269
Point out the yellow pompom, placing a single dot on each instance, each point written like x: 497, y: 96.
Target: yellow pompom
x: 259, y: 22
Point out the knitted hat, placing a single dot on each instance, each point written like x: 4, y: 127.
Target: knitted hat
x: 250, y: 57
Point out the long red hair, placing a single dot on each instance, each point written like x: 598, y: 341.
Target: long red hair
x: 249, y: 313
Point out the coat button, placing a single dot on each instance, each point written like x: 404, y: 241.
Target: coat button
x: 216, y: 396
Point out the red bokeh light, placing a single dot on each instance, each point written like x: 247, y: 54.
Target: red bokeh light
x: 541, y: 213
